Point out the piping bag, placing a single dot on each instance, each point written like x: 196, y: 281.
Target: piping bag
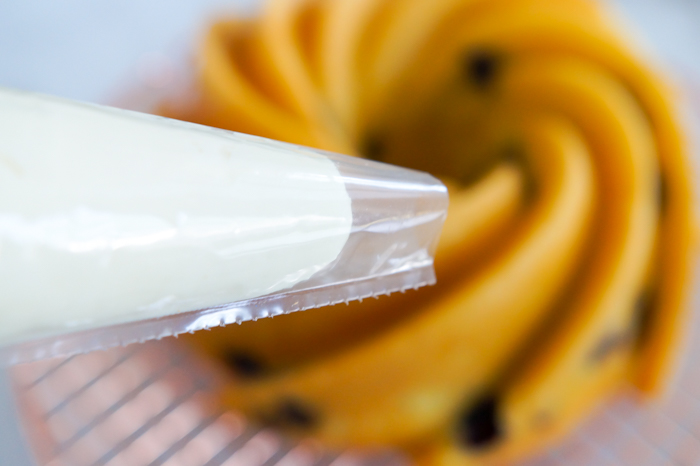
x: 119, y: 227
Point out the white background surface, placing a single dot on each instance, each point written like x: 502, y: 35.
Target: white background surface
x: 94, y: 49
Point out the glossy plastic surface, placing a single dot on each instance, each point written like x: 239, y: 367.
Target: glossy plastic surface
x: 120, y: 227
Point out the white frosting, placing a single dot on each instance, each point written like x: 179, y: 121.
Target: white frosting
x: 110, y: 216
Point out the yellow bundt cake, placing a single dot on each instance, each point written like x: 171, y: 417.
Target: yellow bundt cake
x: 564, y: 266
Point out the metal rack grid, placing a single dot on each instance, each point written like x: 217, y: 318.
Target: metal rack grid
x: 151, y: 404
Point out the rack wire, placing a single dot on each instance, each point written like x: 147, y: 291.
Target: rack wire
x: 152, y: 404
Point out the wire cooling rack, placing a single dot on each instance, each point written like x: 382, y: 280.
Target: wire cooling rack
x: 151, y: 404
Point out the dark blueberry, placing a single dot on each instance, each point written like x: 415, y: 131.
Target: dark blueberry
x: 478, y: 426
x: 373, y: 147
x: 481, y: 68
x: 244, y: 364
x: 292, y: 412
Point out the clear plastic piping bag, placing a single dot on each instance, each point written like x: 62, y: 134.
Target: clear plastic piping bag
x: 120, y: 227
